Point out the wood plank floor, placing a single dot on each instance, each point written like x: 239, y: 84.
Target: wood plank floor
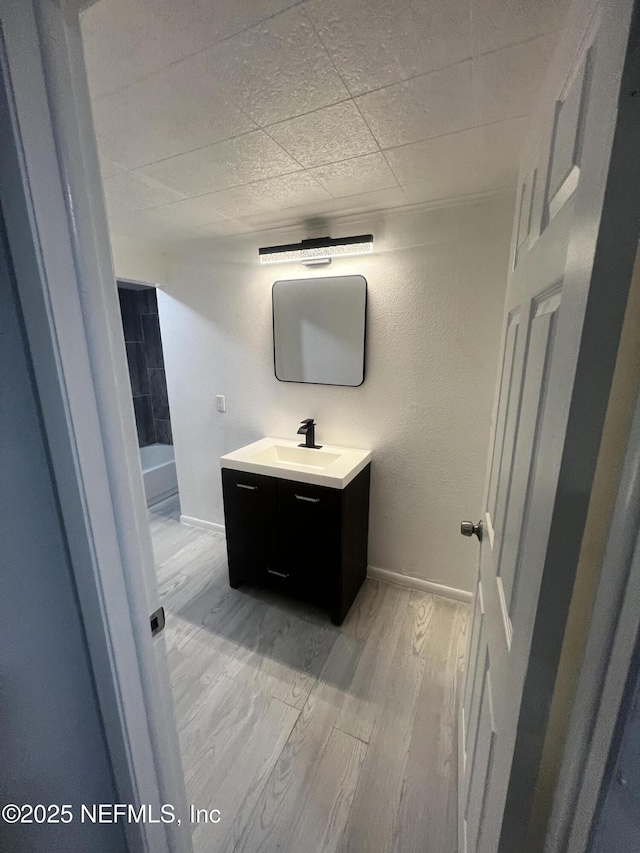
x: 308, y: 737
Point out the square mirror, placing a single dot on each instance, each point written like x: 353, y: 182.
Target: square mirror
x: 319, y: 330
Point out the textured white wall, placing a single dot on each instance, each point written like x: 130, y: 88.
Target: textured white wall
x: 436, y: 288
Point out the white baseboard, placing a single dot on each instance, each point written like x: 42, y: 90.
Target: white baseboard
x: 205, y: 525
x: 419, y: 583
x: 162, y: 498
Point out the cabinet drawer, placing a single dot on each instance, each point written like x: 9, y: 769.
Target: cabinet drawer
x: 249, y: 506
x: 309, y: 527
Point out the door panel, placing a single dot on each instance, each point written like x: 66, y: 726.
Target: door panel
x: 479, y: 675
x: 538, y: 360
x: 505, y: 407
x: 474, y: 645
x: 526, y: 212
x: 566, y: 141
x: 534, y: 510
x: 505, y: 463
x: 482, y: 760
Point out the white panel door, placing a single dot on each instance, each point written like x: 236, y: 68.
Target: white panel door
x: 560, y: 217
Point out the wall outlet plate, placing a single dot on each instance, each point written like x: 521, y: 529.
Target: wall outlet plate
x: 221, y: 403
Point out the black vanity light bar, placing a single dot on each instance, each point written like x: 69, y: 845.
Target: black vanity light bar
x: 318, y: 249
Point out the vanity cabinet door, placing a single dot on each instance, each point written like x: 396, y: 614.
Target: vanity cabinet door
x: 249, y: 505
x: 250, y: 511
x: 309, y: 529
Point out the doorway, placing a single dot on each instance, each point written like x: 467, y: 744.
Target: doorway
x: 356, y: 700
x: 145, y: 360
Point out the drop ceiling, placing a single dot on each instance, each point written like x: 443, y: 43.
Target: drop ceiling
x: 218, y: 117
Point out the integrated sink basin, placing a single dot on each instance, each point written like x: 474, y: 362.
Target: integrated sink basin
x: 317, y: 460
x: 334, y: 467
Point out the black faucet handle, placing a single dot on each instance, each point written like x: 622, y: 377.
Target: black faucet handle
x: 308, y: 429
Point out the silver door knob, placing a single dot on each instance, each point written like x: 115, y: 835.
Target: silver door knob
x: 468, y: 528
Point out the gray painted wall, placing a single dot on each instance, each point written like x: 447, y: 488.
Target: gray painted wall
x: 52, y: 745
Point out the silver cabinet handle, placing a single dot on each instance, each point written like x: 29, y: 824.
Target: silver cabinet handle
x: 279, y: 574
x: 310, y: 500
x: 245, y: 486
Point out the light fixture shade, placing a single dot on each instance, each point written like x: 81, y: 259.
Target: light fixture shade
x: 318, y: 249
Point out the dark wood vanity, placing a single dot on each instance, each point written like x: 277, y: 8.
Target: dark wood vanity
x: 304, y: 539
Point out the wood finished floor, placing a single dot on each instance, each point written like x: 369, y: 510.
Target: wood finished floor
x: 308, y: 737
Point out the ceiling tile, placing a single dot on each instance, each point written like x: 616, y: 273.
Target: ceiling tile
x: 360, y: 175
x: 231, y: 18
x: 423, y: 191
x: 507, y: 81
x: 377, y: 200
x: 189, y: 212
x: 242, y: 160
x: 499, y: 23
x: 181, y: 90
x: 128, y: 192
x: 157, y: 225
x: 276, y: 70
x: 108, y: 168
x: 225, y: 228
x: 431, y: 105
x: 178, y: 109
x: 300, y: 215
x: 286, y: 191
x: 443, y: 167
x: 149, y: 224
x: 376, y: 42
x: 325, y: 136
x: 126, y: 40
x: 498, y: 151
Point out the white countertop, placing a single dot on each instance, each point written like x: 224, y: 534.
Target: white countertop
x: 330, y: 466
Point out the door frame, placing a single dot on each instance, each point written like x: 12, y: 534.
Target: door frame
x: 51, y: 193
x: 611, y: 640
x: 58, y: 233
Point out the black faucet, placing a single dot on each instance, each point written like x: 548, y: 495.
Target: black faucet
x: 308, y: 430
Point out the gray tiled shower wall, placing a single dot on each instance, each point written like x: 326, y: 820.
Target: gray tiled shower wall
x: 139, y: 310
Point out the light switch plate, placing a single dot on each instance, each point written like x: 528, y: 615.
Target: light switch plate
x: 221, y: 403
